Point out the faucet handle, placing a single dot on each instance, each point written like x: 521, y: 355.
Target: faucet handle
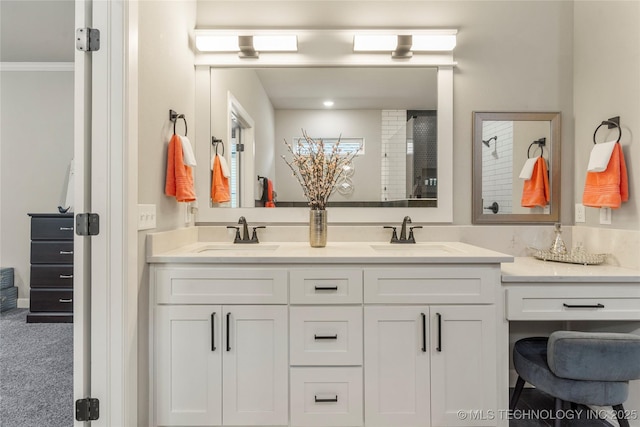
x: 254, y: 236
x: 237, y: 238
x: 411, y: 238
x: 394, y: 235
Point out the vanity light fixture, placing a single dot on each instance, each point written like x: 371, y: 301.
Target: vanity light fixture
x: 402, y: 45
x: 247, y: 45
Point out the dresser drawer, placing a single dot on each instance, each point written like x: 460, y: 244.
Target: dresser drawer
x: 189, y: 285
x: 51, y: 300
x: 577, y: 302
x: 325, y: 335
x: 463, y: 284
x: 52, y: 228
x: 326, y: 397
x: 326, y: 286
x: 51, y: 276
x: 51, y: 252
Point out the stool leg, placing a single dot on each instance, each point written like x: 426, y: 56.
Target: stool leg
x: 622, y: 419
x: 557, y: 422
x: 516, y: 393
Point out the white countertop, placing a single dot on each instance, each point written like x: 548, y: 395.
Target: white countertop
x: 334, y: 252
x: 529, y: 269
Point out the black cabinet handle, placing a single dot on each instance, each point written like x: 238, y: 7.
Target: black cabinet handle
x: 331, y: 399
x: 228, y: 322
x: 213, y: 331
x: 439, y: 347
x: 424, y: 332
x: 326, y: 288
x: 583, y: 305
x: 325, y: 337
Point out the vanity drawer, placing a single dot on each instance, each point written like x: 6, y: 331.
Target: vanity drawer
x: 52, y: 252
x: 52, y: 228
x: 51, y: 276
x: 463, y: 284
x: 573, y: 302
x: 326, y: 397
x: 325, y: 335
x: 51, y: 300
x: 326, y: 286
x: 211, y: 285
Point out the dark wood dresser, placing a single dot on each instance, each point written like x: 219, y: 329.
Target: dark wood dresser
x: 51, y: 296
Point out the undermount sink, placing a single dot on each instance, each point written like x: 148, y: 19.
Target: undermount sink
x: 237, y: 247
x: 415, y: 247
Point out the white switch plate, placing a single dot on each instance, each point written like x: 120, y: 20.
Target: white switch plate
x: 581, y: 215
x: 605, y: 215
x: 146, y: 217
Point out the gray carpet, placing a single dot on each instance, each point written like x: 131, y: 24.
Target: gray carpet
x: 36, y: 372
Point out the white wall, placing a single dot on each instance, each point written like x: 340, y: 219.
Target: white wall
x: 331, y: 124
x: 166, y: 81
x: 37, y: 145
x: 512, y: 56
x: 606, y: 84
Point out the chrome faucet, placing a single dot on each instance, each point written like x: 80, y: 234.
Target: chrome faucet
x: 244, y: 238
x: 403, y: 232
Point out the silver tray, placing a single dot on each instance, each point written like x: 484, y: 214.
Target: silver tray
x: 574, y: 257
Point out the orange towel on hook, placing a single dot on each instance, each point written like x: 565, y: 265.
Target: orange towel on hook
x: 179, y: 179
x: 219, y: 183
x: 609, y: 188
x: 536, y: 190
x: 269, y: 203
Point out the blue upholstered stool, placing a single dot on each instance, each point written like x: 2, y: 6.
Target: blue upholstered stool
x: 579, y: 367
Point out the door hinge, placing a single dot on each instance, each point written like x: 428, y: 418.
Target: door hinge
x: 87, y: 224
x: 87, y: 409
x: 87, y: 39
x: 239, y: 147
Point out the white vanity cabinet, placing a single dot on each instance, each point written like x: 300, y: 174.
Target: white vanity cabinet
x: 322, y: 343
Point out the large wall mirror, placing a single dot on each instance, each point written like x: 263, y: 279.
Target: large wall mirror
x: 402, y: 116
x: 516, y: 167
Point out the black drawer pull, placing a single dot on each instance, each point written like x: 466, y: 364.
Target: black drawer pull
x: 583, y: 305
x: 321, y: 400
x: 65, y: 300
x: 325, y: 337
x: 424, y: 332
x: 228, y: 329
x: 326, y: 288
x: 213, y: 331
x: 439, y: 347
x: 66, y: 228
x: 66, y: 252
x: 66, y: 276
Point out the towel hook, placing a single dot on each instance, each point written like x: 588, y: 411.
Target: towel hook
x: 215, y: 142
x: 613, y: 122
x: 173, y: 116
x: 540, y: 143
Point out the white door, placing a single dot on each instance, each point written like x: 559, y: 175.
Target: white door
x: 188, y: 366
x: 396, y: 366
x: 255, y: 366
x: 463, y: 366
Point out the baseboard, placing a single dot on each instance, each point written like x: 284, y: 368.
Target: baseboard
x: 23, y: 303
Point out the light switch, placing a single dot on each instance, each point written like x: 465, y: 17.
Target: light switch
x: 580, y: 213
x: 146, y: 217
x: 605, y: 215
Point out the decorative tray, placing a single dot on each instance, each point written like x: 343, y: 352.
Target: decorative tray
x: 573, y: 257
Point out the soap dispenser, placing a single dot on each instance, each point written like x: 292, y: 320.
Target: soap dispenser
x: 558, y: 246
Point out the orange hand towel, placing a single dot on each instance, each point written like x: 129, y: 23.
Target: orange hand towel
x: 536, y: 190
x: 219, y: 183
x: 269, y: 203
x: 609, y: 188
x: 179, y: 180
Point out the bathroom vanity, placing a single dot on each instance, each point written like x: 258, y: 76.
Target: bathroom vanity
x: 353, y: 334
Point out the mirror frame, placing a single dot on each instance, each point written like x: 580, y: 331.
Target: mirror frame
x: 478, y: 214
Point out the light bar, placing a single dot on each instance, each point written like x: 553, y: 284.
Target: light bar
x: 208, y: 42
x: 404, y: 43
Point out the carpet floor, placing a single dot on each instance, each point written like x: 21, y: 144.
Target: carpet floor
x: 36, y: 372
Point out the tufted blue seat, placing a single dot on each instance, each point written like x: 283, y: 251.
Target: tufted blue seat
x: 579, y: 367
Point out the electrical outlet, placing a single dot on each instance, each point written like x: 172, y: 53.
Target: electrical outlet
x: 581, y: 215
x: 605, y: 215
x: 146, y: 217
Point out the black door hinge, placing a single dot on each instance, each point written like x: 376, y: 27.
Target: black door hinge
x: 87, y: 39
x: 87, y: 409
x: 239, y: 147
x: 87, y: 224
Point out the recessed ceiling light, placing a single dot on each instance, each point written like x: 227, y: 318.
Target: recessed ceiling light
x: 328, y: 103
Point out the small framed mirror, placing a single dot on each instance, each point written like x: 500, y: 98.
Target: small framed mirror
x: 516, y: 167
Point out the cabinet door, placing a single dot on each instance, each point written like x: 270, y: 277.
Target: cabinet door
x: 188, y: 365
x: 463, y: 366
x: 255, y: 365
x: 396, y: 366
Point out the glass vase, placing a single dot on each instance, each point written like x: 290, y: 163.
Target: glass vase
x: 318, y: 228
